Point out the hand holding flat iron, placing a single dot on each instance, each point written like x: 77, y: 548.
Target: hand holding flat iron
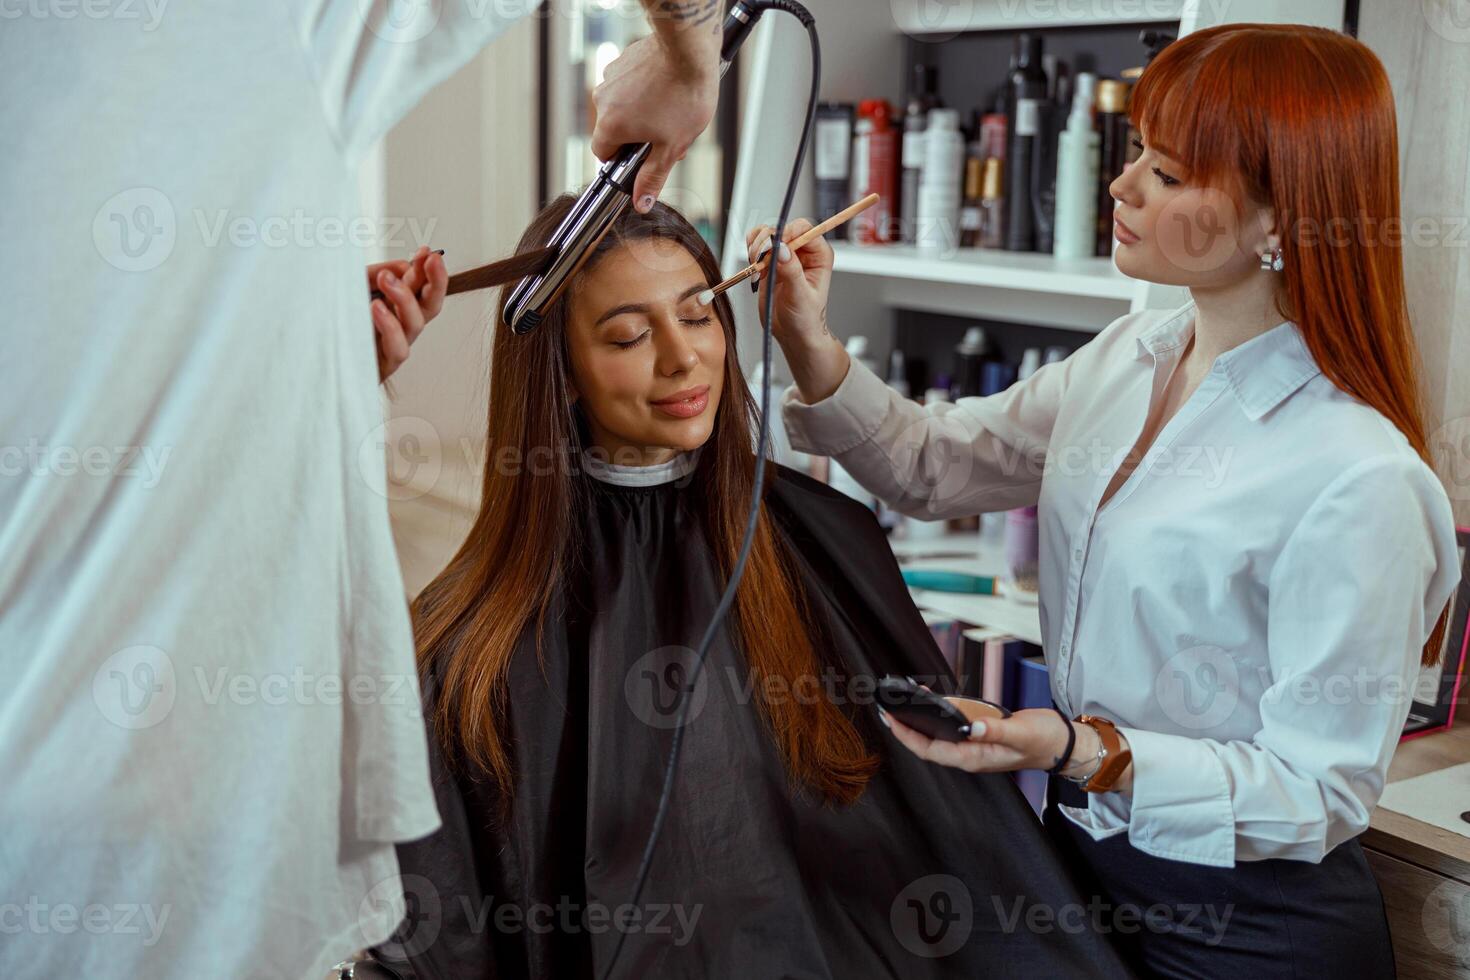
x: 661, y: 90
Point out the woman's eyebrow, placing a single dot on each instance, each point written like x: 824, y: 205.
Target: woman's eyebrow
x: 643, y: 307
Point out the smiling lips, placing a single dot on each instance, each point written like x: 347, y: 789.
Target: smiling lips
x: 684, y: 404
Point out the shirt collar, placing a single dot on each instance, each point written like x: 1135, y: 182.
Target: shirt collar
x: 640, y: 476
x: 1262, y: 372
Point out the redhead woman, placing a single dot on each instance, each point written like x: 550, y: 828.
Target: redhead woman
x: 557, y: 645
x: 1246, y: 555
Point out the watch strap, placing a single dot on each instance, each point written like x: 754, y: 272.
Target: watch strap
x: 1115, y: 758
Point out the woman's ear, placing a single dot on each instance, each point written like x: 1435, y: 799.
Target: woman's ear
x: 1266, y: 218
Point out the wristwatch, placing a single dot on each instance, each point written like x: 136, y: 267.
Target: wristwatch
x: 1112, y: 758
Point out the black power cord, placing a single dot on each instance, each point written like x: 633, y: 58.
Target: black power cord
x: 762, y: 440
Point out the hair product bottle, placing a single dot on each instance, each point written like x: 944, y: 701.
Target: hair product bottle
x: 1112, y: 124
x: 1029, y: 82
x: 1077, y: 176
x: 993, y: 126
x: 939, y: 188
x: 832, y: 161
x: 1020, y: 217
x: 875, y: 170
x: 1051, y: 113
x: 970, y: 209
x: 922, y: 98
x: 971, y: 355
x: 992, y: 204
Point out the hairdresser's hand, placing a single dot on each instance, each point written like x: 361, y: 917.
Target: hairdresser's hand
x: 661, y: 92
x: 413, y: 293
x: 1033, y: 738
x: 817, y: 360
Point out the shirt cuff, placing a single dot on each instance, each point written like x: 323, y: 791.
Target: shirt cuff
x: 846, y: 418
x: 1181, y: 807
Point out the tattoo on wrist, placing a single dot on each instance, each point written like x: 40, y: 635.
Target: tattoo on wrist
x: 689, y: 13
x: 825, y: 329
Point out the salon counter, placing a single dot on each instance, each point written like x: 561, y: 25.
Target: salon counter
x: 1424, y: 870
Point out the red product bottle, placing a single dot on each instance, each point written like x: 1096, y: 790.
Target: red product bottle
x: 876, y: 158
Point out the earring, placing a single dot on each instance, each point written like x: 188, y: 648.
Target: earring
x: 1272, y: 261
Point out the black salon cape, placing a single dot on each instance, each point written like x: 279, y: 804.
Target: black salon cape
x: 934, y: 872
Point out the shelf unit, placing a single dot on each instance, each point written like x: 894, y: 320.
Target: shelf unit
x: 935, y: 21
x: 869, y: 283
x: 1025, y: 287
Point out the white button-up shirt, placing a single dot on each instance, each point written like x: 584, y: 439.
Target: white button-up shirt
x: 1249, y: 606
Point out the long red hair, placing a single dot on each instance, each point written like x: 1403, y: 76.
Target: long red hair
x: 501, y: 585
x: 1302, y: 119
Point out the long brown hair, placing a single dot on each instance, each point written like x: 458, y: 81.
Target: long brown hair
x: 505, y: 577
x: 1303, y: 118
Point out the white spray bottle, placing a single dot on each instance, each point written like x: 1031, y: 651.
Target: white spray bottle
x: 1078, y: 150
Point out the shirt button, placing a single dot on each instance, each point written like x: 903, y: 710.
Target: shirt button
x: 1077, y: 555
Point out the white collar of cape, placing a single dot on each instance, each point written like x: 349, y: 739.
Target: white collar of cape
x: 640, y: 476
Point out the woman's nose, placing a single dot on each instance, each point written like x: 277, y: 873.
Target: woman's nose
x: 1125, y: 188
x: 676, y: 354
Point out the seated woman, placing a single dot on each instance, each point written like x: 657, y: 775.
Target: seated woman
x: 801, y: 840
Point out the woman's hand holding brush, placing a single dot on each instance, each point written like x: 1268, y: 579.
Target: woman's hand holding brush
x: 803, y: 278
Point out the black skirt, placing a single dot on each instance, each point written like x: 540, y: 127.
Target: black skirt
x: 1260, y: 919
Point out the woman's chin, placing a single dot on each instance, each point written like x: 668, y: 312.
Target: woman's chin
x: 685, y: 435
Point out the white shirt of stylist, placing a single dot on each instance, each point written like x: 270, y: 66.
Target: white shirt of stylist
x: 1249, y: 606
x: 209, y: 719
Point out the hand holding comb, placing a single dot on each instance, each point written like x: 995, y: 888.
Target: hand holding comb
x: 846, y: 214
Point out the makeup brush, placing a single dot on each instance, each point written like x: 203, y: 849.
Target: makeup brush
x: 706, y: 297
x: 495, y: 274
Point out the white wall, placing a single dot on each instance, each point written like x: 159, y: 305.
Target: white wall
x: 1427, y: 55
x: 465, y: 161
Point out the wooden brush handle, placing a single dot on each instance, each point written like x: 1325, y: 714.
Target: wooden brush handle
x: 495, y: 274
x: 846, y: 214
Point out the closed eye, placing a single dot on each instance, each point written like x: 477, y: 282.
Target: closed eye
x: 629, y: 344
